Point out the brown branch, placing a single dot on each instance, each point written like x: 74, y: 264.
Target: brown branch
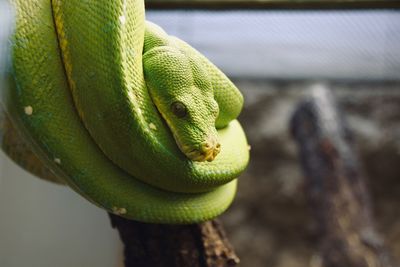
x: 160, y: 245
x: 336, y: 188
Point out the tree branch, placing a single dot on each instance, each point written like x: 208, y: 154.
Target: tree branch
x: 161, y: 245
x: 339, y: 199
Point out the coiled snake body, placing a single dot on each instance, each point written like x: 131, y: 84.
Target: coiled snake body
x: 136, y: 121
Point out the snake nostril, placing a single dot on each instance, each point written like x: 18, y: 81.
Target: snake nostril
x: 207, y: 150
x: 206, y: 146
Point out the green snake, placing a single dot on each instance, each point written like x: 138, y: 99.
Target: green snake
x: 136, y: 121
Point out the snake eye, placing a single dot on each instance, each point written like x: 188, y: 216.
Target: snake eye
x: 179, y: 109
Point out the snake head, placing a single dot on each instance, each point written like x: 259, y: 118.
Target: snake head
x: 181, y: 89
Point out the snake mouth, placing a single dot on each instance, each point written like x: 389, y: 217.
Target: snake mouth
x: 205, y: 151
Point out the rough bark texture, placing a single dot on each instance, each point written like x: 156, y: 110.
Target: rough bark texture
x: 336, y: 188
x: 159, y: 245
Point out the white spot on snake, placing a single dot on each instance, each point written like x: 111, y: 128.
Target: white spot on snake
x: 131, y: 95
x: 119, y: 211
x: 152, y: 126
x: 122, y: 19
x: 249, y: 147
x: 28, y: 110
x: 57, y: 160
x: 131, y: 52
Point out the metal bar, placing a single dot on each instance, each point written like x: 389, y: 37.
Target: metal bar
x: 272, y: 4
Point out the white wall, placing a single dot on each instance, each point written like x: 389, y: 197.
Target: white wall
x: 48, y: 225
x: 293, y: 44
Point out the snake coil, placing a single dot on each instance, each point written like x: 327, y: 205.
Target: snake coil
x: 80, y: 100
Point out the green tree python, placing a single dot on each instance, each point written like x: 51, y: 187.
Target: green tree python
x: 136, y: 121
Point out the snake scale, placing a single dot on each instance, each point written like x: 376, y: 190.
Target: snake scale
x: 136, y: 121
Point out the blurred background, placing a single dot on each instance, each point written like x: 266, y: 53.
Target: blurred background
x: 273, y: 53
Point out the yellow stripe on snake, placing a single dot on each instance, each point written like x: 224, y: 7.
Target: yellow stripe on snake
x: 136, y: 121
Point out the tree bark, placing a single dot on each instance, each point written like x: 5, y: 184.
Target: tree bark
x: 161, y: 245
x: 336, y: 185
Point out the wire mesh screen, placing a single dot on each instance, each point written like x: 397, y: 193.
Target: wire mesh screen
x: 269, y: 223
x: 293, y: 44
